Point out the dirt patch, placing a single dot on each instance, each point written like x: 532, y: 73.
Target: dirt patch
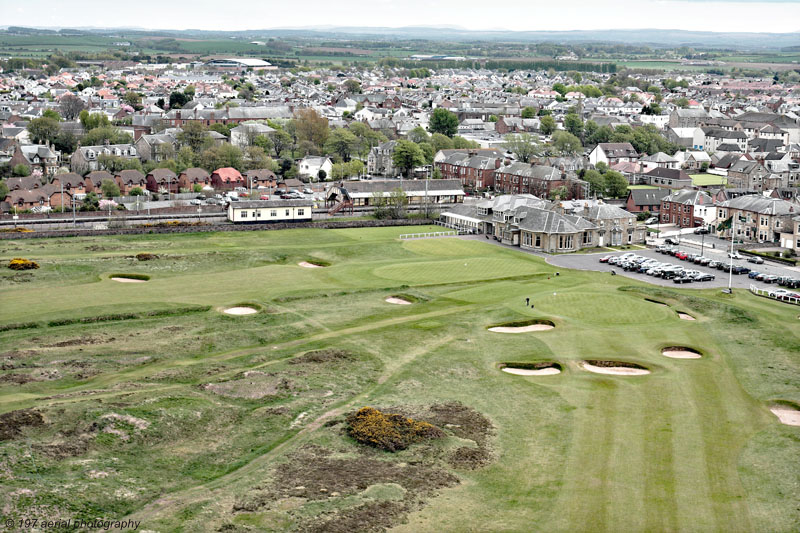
x: 681, y: 352
x: 685, y: 316
x: 252, y: 388
x: 370, y: 517
x: 127, y: 280
x: 314, y: 474
x: 397, y: 301
x: 614, y: 368
x: 523, y: 326
x: 240, y: 311
x: 13, y: 422
x: 73, y: 342
x: 788, y: 413
x: 322, y: 356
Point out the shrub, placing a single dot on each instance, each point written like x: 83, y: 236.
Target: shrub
x: 22, y: 264
x: 146, y: 257
x: 387, y: 431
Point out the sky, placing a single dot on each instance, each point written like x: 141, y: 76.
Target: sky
x: 533, y: 15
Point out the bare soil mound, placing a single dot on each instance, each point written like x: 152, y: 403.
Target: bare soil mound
x: 681, y: 352
x: 322, y: 356
x: 523, y: 326
x: 614, y: 368
x: 787, y: 413
x: 531, y: 369
x: 240, y: 310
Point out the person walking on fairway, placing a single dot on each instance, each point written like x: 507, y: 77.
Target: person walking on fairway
x: 527, y: 301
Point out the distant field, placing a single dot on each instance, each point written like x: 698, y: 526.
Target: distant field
x: 147, y: 401
x: 702, y: 180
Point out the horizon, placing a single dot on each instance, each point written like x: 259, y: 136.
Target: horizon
x: 519, y: 16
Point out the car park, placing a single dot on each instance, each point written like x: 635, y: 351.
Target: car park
x: 740, y: 270
x: 701, y: 231
x: 755, y: 260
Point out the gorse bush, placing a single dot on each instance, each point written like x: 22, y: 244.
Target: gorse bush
x: 387, y: 431
x: 22, y: 264
x: 146, y: 257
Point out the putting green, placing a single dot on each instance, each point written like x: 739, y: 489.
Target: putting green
x: 601, y: 308
x: 456, y: 270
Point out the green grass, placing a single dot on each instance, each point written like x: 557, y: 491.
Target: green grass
x: 704, y: 180
x: 211, y: 405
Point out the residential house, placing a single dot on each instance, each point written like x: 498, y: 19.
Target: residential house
x: 162, y: 180
x: 688, y: 208
x: 87, y: 158
x: 474, y: 171
x: 94, y: 179
x: 227, y: 178
x: 310, y: 166
x: 645, y: 200
x: 191, y: 177
x: 245, y: 134
x: 156, y: 147
x: 757, y: 218
x: 671, y: 178
x: 380, y: 162
x: 261, y: 178
x: 36, y: 157
x: 539, y: 180
x: 748, y: 175
x: 612, y: 153
x: 130, y: 179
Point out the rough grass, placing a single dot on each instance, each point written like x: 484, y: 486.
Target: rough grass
x: 161, y: 417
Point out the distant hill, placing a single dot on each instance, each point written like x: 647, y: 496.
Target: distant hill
x: 650, y: 37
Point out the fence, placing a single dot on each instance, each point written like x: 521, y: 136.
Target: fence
x: 428, y: 235
x: 775, y: 295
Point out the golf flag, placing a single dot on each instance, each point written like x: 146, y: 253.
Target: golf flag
x: 725, y: 224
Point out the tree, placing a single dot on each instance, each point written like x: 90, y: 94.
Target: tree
x: 109, y: 189
x: 281, y: 140
x: 601, y: 167
x: 682, y: 102
x: 65, y: 142
x: 407, y: 155
x: 310, y: 126
x: 70, y: 106
x: 255, y: 157
x: 444, y: 122
x: 114, y: 163
x: 616, y: 185
x: 353, y: 86
x: 22, y: 170
x: 418, y: 135
x: 441, y: 142
x: 91, y: 121
x: 43, y: 130
x: 136, y: 191
x: 524, y: 145
x: 397, y: 203
x: 194, y: 135
x: 462, y: 143
x: 225, y: 155
x: 189, y: 91
x: 100, y: 135
x: 595, y: 181
x: 178, y: 99
x: 547, y: 125
x: 560, y: 88
x: 3, y: 190
x: 573, y: 124
x: 322, y: 175
x: 51, y: 113
x: 223, y: 129
x: 566, y: 143
x: 559, y: 193
x: 528, y: 112
x: 341, y: 142
x: 133, y: 99
x: 90, y: 202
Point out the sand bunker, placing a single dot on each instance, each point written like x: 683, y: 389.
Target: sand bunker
x: 397, y: 301
x: 240, y: 311
x: 787, y: 415
x: 523, y: 327
x: 127, y: 280
x: 685, y: 316
x: 614, y: 368
x: 549, y: 371
x: 681, y: 352
x: 306, y: 264
x: 655, y: 302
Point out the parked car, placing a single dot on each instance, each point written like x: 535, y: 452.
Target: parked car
x: 752, y: 274
x: 670, y: 240
x: 651, y: 220
x: 755, y: 260
x: 704, y: 277
x: 308, y: 191
x: 734, y: 255
x: 701, y: 231
x: 681, y: 255
x: 740, y: 270
x: 770, y: 279
x: 605, y: 258
x: 683, y: 278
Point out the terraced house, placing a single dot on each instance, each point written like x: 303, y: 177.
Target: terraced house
x: 757, y: 218
x: 473, y: 171
x: 538, y: 180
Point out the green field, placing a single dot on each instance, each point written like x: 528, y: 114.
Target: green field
x: 146, y: 401
x: 704, y: 180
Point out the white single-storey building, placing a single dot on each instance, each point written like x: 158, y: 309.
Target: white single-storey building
x: 266, y: 211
